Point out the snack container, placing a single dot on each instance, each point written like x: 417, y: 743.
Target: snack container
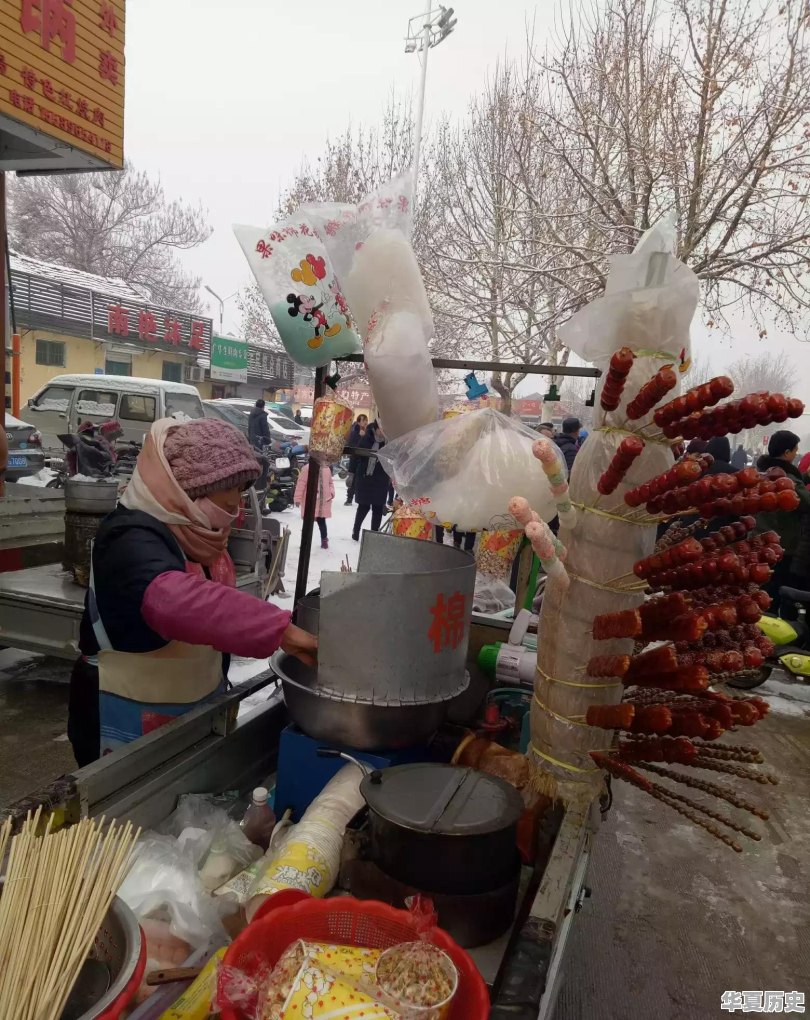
x: 497, y: 550
x: 331, y: 424
x: 413, y: 969
x: 410, y: 523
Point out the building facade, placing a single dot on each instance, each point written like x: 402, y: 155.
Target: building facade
x: 75, y: 322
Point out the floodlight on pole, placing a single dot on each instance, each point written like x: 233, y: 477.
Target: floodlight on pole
x: 221, y: 303
x: 424, y: 32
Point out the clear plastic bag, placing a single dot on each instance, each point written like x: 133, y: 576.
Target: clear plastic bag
x: 296, y: 278
x: 463, y: 471
x: 369, y: 247
x: 163, y: 885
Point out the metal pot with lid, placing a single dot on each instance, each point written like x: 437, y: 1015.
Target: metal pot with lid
x: 443, y: 828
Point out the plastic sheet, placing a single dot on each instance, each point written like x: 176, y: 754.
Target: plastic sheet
x: 296, y: 278
x: 463, y: 470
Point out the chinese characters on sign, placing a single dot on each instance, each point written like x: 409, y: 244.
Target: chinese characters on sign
x: 449, y: 621
x: 759, y: 1001
x: 229, y: 359
x: 61, y: 73
x: 157, y: 326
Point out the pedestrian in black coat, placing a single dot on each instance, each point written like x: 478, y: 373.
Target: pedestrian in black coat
x: 356, y: 433
x: 371, y: 482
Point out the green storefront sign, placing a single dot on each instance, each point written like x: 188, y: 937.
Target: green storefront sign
x: 229, y: 359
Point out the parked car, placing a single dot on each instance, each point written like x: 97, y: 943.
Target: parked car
x: 291, y: 430
x: 306, y: 414
x: 68, y: 400
x: 25, y: 454
x: 236, y: 416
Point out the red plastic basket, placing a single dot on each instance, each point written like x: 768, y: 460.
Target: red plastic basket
x: 350, y: 922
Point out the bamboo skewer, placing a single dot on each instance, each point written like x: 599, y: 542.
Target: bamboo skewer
x: 58, y: 889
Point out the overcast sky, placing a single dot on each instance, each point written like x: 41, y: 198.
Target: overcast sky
x: 225, y: 98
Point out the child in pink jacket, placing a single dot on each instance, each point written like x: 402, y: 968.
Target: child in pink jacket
x: 326, y: 493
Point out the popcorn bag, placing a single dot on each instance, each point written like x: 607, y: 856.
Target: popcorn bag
x: 497, y: 550
x: 296, y: 278
x: 408, y: 522
x: 331, y: 424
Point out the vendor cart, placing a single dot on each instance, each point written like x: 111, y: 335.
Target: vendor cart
x: 199, y: 753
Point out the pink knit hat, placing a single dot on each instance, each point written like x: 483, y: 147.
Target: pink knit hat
x: 207, y: 455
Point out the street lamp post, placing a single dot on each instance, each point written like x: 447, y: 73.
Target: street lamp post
x: 424, y: 32
x: 221, y: 301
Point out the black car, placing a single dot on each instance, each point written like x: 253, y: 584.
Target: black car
x: 25, y: 455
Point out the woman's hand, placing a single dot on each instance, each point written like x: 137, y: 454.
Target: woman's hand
x: 301, y: 644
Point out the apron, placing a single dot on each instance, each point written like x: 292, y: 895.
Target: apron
x: 133, y: 685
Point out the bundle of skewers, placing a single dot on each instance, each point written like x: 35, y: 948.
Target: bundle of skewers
x: 57, y: 889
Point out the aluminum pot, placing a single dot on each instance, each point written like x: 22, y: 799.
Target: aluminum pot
x: 98, y: 496
x: 350, y: 723
x: 443, y: 828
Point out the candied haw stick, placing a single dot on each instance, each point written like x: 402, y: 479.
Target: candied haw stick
x: 621, y: 771
x: 629, y: 448
x: 695, y: 399
x: 713, y: 765
x: 714, y: 789
x: 651, y: 719
x: 677, y: 750
x: 623, y: 624
x: 684, y: 678
x: 693, y: 811
x: 611, y: 717
x: 620, y: 364
x: 651, y: 392
x: 657, y: 660
x: 607, y: 665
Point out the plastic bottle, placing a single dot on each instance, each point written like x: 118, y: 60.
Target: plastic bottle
x: 218, y: 867
x: 507, y: 663
x: 259, y: 819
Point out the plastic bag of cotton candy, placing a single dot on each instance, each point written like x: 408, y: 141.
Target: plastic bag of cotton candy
x: 463, y: 470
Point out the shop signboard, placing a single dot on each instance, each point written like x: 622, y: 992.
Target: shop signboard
x: 229, y: 359
x: 62, y: 84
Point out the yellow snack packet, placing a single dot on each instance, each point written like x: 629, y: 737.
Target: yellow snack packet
x: 195, y: 1001
x: 320, y: 994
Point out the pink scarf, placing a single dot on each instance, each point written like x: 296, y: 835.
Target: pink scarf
x: 154, y: 490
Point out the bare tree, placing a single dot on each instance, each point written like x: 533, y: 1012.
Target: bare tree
x: 696, y: 108
x: 112, y: 224
x: 483, y: 258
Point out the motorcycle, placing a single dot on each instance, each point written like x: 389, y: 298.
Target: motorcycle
x: 791, y: 639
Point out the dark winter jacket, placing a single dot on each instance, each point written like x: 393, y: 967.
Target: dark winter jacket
x: 792, y: 526
x: 371, y: 485
x: 258, y: 427
x: 569, y: 446
x: 131, y: 549
x: 739, y: 459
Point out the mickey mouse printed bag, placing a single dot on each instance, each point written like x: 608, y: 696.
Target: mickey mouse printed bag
x: 298, y: 283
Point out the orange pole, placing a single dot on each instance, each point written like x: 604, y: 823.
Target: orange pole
x: 16, y: 354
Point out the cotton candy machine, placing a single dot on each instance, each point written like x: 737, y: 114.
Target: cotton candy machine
x: 392, y: 646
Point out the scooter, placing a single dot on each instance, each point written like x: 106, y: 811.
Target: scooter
x: 791, y: 639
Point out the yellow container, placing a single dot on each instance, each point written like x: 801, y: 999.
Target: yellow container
x: 195, y: 1002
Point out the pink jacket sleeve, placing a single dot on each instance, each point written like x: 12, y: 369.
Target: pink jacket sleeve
x: 301, y: 485
x: 185, y: 607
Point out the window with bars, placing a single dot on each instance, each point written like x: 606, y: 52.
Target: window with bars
x: 51, y: 352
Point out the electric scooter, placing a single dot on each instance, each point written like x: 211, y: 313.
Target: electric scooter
x: 791, y: 639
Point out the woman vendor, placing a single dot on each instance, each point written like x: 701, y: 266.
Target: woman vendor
x: 163, y: 615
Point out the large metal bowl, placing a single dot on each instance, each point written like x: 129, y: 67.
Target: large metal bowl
x: 348, y: 723
x: 98, y: 496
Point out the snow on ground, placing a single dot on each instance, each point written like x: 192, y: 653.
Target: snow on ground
x: 341, y: 544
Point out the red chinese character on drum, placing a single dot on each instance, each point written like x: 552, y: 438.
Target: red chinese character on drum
x: 449, y: 619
